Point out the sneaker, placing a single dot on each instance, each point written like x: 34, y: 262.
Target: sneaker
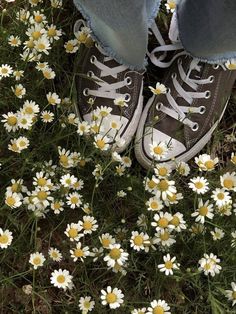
x: 176, y: 125
x: 104, y: 85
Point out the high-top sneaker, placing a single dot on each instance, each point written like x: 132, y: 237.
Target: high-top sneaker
x: 177, y: 124
x: 109, y: 90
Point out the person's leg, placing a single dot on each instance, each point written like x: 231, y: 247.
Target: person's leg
x: 207, y: 28
x: 121, y: 27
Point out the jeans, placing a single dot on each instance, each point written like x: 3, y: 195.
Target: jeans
x: 207, y: 28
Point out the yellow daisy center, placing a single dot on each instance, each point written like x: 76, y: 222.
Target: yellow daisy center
x: 73, y: 233
x: 111, y: 297
x: 74, y: 200
x: 138, y: 240
x: 100, y: 144
x: 165, y: 236
x: 87, y: 225
x: 61, y: 279
x: 38, y: 18
x: 52, y: 32
x: 15, y: 187
x: 41, y: 46
x: 114, y: 125
x: 106, y: 242
x: 54, y: 254
x: 154, y: 205
x: 12, y: 120
x: 78, y: 253
x: 203, y: 210
x: 10, y: 201
x: 158, y: 150
x: 163, y: 185
x: 207, y: 266
x: 228, y: 183
x: 115, y: 253
x: 69, y: 47
x: 158, y: 310
x: 234, y: 295
x: 4, y: 70
x: 163, y: 222
x: 162, y: 171
x: 36, y: 35
x: 168, y: 265
x: 172, y: 198
x: 64, y: 159
x: 87, y: 304
x: 220, y: 196
x: 3, y: 239
x: 209, y: 164
x: 175, y: 221
x: 37, y: 260
x: 56, y: 205
x: 199, y: 185
x: 42, y: 195
x: 42, y: 181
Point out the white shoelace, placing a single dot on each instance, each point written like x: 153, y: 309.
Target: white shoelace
x: 105, y: 89
x: 176, y: 111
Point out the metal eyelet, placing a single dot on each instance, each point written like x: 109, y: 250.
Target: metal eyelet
x: 159, y: 106
x: 179, y: 61
x: 173, y: 76
x: 128, y: 80
x: 216, y: 66
x: 90, y: 73
x: 211, y: 78
x: 202, y: 109
x: 208, y: 94
x: 96, y: 45
x: 92, y: 59
x: 86, y: 92
x: 127, y: 97
x: 168, y: 90
x: 195, y: 127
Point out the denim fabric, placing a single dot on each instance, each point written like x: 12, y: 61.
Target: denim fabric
x: 207, y: 27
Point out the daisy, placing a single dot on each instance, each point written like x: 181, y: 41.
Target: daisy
x: 221, y: 197
x: 13, y: 199
x: 173, y: 199
x: 41, y: 180
x: 197, y: 229
x: 5, y: 70
x: 140, y: 241
x: 199, y: 185
x: 72, y: 119
x: 169, y: 265
x: 53, y: 99
x: 22, y: 142
x: 171, y: 5
x: 120, y: 170
x: 231, y: 64
x: 106, y: 239
x: 5, y: 238
x: 116, y: 255
x: 164, y: 238
x: 88, y: 225
x: 209, y: 264
x: 162, y: 171
x: 154, y: 204
x: 18, y: 74
x: 14, y: 41
x: 165, y: 188
x: 34, y: 2
x: 10, y: 121
x: 162, y: 221
x: 61, y: 278
x: 159, y: 306
x: 72, y: 232
x: 41, y: 66
x: 103, y: 112
x: 158, y: 150
x: 233, y: 158
x: 47, y: 116
x: 101, y: 142
x: 17, y: 186
x: 126, y: 161
x: 217, y: 234
x: 19, y: 90
x: 86, y: 304
x: 114, y: 127
x: 23, y: 15
x: 57, y: 206
x: 42, y: 196
x: 159, y: 89
x: 37, y: 259
x: 142, y: 221
x: 87, y: 208
x: 74, y: 200
x: 183, y: 168
x: 30, y: 108
x: 121, y: 102
x: 178, y: 222
x: 53, y: 33
x: 83, y: 128
x: 13, y: 146
x: 55, y: 254
x: 79, y: 252
x: 112, y: 297
x: 68, y: 180
x: 231, y: 294
x: 203, y: 211
x: 37, y: 18
x: 71, y: 46
x: 83, y: 35
x: 48, y: 73
x: 206, y: 163
x: 35, y: 32
x: 121, y: 193
x: 56, y: 4
x: 25, y: 121
x: 65, y: 159
x: 228, y: 181
x: 78, y: 185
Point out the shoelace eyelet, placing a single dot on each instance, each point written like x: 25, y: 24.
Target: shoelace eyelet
x: 128, y: 80
x: 208, y: 94
x: 211, y: 78
x: 216, y: 66
x: 179, y: 61
x: 202, y: 109
x: 159, y: 106
x: 173, y: 76
x: 195, y: 127
x: 86, y: 92
x: 90, y: 73
x: 127, y: 97
x: 92, y: 59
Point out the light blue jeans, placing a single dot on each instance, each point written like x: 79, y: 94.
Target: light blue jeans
x: 207, y: 28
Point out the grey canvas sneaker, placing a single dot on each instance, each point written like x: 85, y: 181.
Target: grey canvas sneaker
x: 176, y: 125
x: 104, y: 85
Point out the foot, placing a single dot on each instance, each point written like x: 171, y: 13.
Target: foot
x: 176, y: 125
x: 106, y: 86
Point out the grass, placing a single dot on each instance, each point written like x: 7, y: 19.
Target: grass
x: 188, y: 291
